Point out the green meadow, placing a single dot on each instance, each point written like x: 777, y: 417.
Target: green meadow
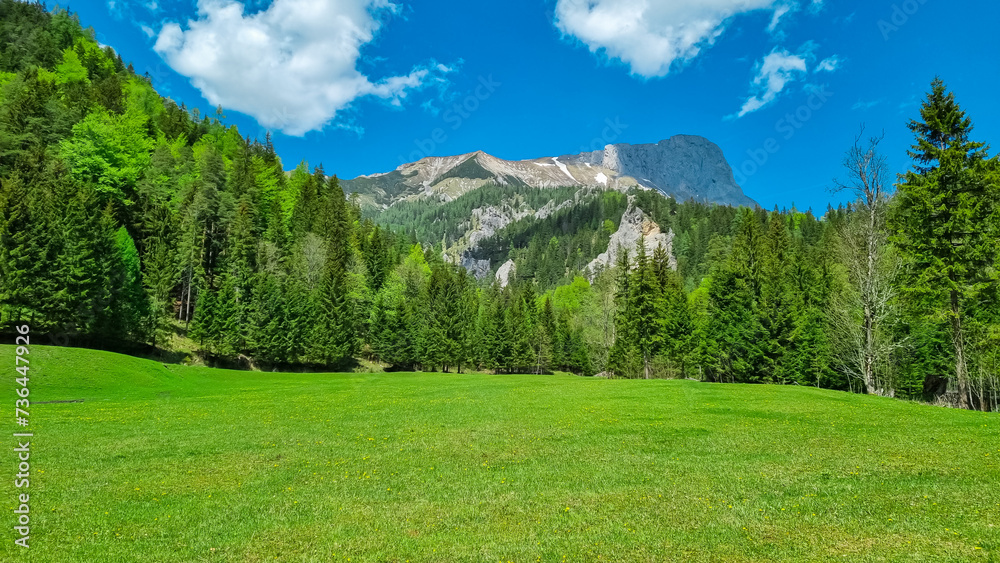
x: 170, y: 463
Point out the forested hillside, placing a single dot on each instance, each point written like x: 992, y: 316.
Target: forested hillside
x: 129, y: 221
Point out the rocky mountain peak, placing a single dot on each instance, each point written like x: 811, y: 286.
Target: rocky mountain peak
x: 683, y: 167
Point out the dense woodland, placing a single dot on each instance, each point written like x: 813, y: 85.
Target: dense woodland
x: 130, y: 222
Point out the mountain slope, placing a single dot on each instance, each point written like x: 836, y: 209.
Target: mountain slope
x: 683, y: 167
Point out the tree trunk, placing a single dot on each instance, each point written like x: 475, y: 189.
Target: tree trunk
x: 872, y: 253
x: 868, y: 365
x: 187, y: 313
x: 957, y: 339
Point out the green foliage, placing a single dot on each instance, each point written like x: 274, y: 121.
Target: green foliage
x: 111, y: 152
x: 944, y: 222
x: 71, y: 69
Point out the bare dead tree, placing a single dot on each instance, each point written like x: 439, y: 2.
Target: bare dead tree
x: 867, y: 306
x: 984, y: 353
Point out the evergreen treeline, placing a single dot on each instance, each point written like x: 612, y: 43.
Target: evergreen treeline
x: 126, y: 219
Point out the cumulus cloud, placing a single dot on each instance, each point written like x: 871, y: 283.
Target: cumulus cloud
x: 652, y: 37
x: 774, y: 72
x: 292, y: 66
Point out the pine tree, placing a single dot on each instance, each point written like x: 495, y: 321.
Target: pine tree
x: 776, y: 312
x: 677, y: 324
x: 26, y: 250
x: 646, y: 308
x: 160, y: 274
x: 108, y: 306
x: 737, y: 339
x: 205, y: 319
x: 241, y: 266
x: 547, y: 337
x: 468, y: 319
x: 519, y: 327
x: 80, y: 266
x: 623, y: 358
x: 130, y: 303
x: 942, y: 219
x: 490, y: 327
x: 268, y: 320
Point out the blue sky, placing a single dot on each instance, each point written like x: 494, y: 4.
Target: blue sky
x: 361, y: 86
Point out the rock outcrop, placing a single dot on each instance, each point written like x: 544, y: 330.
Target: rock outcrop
x: 486, y: 221
x: 478, y: 268
x: 504, y: 272
x: 635, y: 224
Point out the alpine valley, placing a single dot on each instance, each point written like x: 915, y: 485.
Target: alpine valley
x: 223, y: 351
x: 484, y: 210
x: 130, y: 222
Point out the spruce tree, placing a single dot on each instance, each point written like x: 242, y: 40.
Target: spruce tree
x: 646, y: 308
x: 944, y: 220
x: 623, y: 358
x: 776, y: 312
x: 547, y: 337
x: 241, y: 264
x: 677, y: 325
x: 26, y: 249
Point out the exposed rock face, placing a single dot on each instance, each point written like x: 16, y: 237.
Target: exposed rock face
x: 486, y: 221
x: 478, y: 268
x: 682, y: 167
x: 504, y: 272
x: 551, y: 208
x: 634, y: 225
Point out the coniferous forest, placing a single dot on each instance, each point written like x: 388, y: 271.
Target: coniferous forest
x: 130, y: 222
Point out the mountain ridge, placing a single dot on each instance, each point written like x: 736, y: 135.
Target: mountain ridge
x: 682, y: 167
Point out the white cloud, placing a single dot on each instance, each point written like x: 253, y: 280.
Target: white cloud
x: 292, y: 66
x: 774, y: 72
x: 780, y: 11
x: 779, y: 69
x: 654, y: 36
x: 829, y: 64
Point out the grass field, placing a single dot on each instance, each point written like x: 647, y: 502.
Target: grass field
x: 184, y: 464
